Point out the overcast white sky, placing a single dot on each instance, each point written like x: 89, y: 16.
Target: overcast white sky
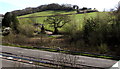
x: 10, y: 5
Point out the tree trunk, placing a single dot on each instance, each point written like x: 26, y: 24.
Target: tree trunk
x: 55, y: 30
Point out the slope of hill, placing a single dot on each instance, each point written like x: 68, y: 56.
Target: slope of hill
x: 37, y: 17
x: 47, y: 13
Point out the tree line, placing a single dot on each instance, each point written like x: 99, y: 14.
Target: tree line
x: 53, y: 6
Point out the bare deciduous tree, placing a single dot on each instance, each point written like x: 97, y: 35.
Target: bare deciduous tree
x: 57, y: 21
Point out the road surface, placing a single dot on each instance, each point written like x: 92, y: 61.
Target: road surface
x: 9, y: 64
x: 63, y: 58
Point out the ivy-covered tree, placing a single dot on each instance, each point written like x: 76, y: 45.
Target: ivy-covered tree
x: 6, y: 21
x: 57, y: 21
x: 10, y: 20
x: 14, y: 24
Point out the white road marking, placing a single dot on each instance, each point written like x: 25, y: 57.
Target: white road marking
x: 1, y: 56
x: 9, y: 58
x: 19, y: 60
x: 48, y: 55
x: 31, y: 62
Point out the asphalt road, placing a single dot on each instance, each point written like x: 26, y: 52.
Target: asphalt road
x: 9, y: 64
x: 73, y: 59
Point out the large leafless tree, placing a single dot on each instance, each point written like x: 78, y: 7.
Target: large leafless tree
x: 57, y: 21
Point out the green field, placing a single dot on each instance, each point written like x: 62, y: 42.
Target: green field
x: 76, y: 18
x: 47, y: 13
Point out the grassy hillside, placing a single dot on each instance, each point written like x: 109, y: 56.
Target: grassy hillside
x: 76, y: 18
x: 47, y: 13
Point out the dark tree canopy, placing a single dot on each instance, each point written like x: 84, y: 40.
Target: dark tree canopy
x: 6, y: 22
x: 57, y: 21
x: 10, y: 20
x: 52, y: 6
x: 76, y: 7
x: 84, y: 8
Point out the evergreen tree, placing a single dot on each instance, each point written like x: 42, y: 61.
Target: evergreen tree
x: 10, y: 20
x: 6, y: 21
x: 14, y: 24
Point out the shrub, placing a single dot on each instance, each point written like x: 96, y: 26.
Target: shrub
x: 27, y: 30
x: 96, y: 29
x: 103, y: 48
x: 20, y: 39
x: 15, y: 39
x: 9, y: 39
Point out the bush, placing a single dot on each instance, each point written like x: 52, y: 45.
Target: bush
x: 96, y: 29
x: 103, y: 31
x: 9, y: 39
x: 27, y: 30
x: 15, y: 39
x: 70, y: 28
x: 21, y: 39
x: 103, y: 48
